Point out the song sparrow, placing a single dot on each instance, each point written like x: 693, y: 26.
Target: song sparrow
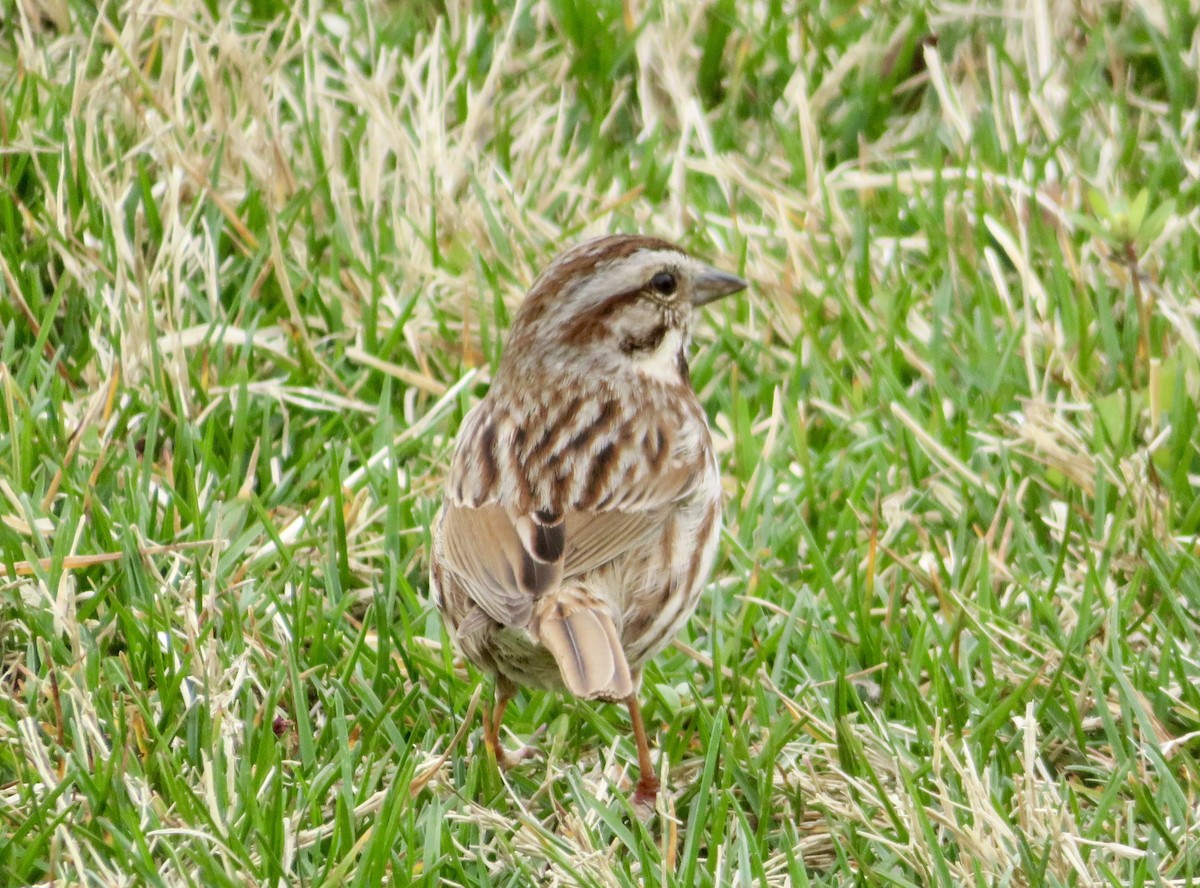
x: 583, y: 503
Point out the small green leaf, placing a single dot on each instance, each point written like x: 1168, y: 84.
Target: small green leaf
x: 1154, y: 224
x: 1137, y: 210
x: 1098, y: 203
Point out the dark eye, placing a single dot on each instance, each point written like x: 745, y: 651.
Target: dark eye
x: 664, y: 282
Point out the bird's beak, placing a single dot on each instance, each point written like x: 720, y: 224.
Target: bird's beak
x: 713, y: 284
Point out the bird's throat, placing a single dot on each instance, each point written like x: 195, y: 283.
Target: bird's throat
x: 664, y: 363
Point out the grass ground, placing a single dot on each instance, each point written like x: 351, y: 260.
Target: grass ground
x: 256, y: 263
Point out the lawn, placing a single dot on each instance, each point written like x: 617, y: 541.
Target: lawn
x: 257, y: 261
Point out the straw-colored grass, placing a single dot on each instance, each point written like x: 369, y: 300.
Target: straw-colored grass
x: 256, y: 263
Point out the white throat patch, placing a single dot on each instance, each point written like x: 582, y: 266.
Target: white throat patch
x: 662, y: 363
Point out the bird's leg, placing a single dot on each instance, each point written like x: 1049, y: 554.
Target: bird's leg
x: 647, y: 785
x: 503, y: 692
x: 491, y: 722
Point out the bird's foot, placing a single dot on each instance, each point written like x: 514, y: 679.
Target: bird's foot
x: 507, y: 759
x: 645, y: 797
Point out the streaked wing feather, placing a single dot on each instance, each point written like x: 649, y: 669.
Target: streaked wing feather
x: 483, y: 547
x: 595, y: 538
x: 497, y: 539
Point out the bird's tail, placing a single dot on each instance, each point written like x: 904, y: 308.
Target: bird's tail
x: 579, y: 632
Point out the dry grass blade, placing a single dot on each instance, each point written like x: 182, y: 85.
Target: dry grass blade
x: 256, y: 263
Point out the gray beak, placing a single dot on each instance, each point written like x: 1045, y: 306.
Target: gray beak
x: 712, y: 284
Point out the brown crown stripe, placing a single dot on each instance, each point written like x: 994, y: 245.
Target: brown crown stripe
x: 581, y: 261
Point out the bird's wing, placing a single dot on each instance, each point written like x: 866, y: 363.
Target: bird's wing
x: 504, y: 570
x: 504, y: 553
x: 510, y: 550
x: 594, y: 538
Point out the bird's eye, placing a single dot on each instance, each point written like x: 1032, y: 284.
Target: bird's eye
x: 664, y: 282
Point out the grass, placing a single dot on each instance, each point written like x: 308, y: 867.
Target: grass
x: 256, y: 265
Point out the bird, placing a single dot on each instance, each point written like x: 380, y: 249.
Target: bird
x: 582, y: 504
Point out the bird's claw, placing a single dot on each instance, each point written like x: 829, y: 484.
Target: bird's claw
x: 507, y: 759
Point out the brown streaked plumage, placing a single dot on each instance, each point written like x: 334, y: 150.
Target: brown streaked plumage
x: 583, y: 501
